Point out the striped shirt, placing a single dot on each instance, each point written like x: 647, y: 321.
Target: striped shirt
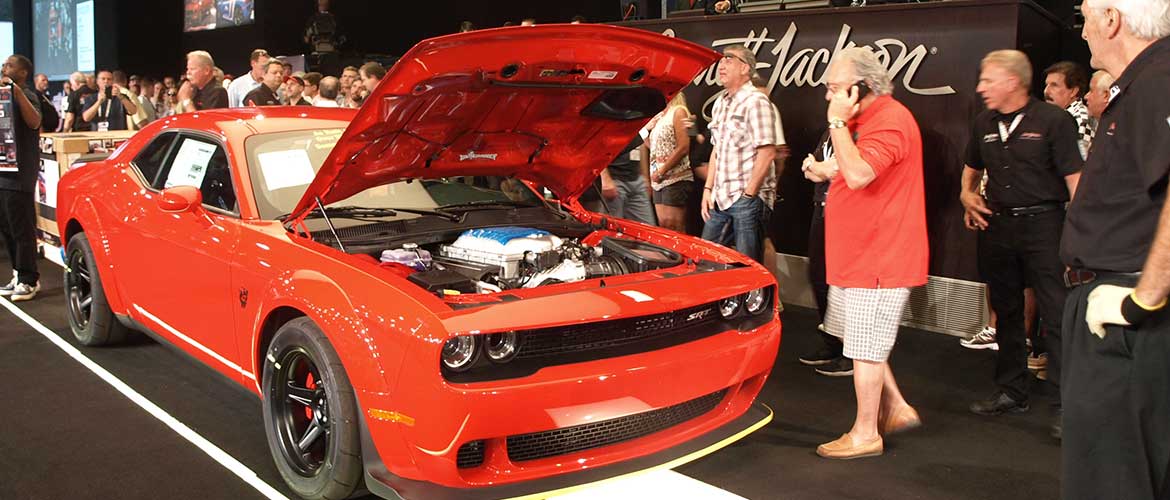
x: 740, y: 123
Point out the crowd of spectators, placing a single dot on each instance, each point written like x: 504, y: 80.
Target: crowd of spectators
x: 112, y: 100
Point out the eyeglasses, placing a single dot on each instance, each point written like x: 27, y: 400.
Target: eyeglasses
x: 733, y: 56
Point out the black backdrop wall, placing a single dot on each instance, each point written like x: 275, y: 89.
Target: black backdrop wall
x: 150, y: 40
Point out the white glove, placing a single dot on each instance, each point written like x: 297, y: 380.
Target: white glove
x: 1104, y: 308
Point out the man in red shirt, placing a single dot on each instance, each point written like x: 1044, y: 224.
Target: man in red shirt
x: 875, y: 240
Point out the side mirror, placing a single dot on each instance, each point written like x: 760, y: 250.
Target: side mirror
x: 180, y: 199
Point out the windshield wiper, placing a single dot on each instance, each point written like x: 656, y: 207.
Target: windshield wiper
x: 355, y: 212
x: 489, y: 204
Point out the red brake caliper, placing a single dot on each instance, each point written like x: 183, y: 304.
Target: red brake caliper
x: 309, y: 384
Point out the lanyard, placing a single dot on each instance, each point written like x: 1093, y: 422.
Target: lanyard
x: 1005, y: 132
x: 109, y: 104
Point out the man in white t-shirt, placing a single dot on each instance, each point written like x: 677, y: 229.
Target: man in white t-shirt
x: 241, y: 86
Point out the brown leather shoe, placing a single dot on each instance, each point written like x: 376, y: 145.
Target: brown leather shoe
x: 903, y: 419
x: 843, y: 449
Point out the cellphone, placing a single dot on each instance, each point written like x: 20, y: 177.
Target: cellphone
x: 862, y: 90
x: 109, y: 92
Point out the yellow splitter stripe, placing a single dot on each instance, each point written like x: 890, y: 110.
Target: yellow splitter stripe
x: 685, y: 459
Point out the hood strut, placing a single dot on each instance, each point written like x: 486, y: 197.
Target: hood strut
x: 330, y: 223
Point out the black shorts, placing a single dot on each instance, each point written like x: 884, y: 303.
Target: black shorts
x: 674, y: 195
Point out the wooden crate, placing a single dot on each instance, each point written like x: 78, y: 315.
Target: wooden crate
x: 58, y: 154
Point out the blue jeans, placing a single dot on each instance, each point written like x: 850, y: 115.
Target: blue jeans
x: 742, y: 224
x: 632, y: 202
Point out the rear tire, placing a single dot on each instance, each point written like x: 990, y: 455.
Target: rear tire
x: 90, y: 318
x: 310, y: 414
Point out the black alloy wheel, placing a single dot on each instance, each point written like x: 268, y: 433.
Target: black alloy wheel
x: 78, y: 290
x: 310, y: 414
x: 90, y: 318
x: 302, y: 412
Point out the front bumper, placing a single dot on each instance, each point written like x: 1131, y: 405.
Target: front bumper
x: 446, y: 416
x: 381, y: 482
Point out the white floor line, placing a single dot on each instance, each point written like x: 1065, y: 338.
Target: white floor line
x: 213, y: 451
x: 657, y: 484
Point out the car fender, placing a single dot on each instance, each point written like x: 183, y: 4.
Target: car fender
x: 370, y: 354
x: 82, y: 211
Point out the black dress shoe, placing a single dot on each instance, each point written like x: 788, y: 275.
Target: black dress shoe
x: 840, y: 367
x: 999, y: 404
x: 822, y: 356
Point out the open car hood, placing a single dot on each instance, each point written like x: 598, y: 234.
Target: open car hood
x: 549, y: 104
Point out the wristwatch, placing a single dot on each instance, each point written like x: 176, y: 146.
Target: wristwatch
x: 836, y: 123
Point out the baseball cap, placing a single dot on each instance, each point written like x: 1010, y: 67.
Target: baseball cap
x: 295, y: 78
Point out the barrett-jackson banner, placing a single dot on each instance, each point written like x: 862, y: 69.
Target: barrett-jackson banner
x: 932, y: 52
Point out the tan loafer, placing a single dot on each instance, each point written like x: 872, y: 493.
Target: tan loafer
x: 903, y: 419
x: 843, y: 449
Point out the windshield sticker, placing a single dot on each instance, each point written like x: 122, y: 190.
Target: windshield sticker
x: 602, y: 75
x: 282, y: 169
x: 325, y: 139
x: 190, y: 165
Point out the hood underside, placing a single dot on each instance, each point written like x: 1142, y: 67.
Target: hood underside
x: 548, y: 104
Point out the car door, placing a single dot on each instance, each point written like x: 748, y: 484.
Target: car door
x: 179, y: 277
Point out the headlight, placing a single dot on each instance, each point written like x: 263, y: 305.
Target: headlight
x: 729, y: 306
x: 501, y: 347
x: 756, y: 300
x: 460, y: 353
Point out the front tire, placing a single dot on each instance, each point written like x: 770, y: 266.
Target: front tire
x: 90, y: 318
x: 310, y: 414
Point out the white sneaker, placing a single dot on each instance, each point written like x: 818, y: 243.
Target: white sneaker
x: 982, y: 340
x: 7, y: 289
x: 25, y: 292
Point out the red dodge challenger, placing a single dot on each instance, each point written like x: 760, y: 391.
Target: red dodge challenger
x: 413, y: 289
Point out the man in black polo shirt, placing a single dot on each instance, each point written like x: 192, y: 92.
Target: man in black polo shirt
x: 1117, y: 246
x: 828, y: 358
x: 74, y: 121
x: 17, y: 212
x: 201, y: 91
x: 265, y: 94
x: 1028, y: 148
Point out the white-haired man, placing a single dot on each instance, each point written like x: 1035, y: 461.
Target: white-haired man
x: 1117, y: 247
x: 875, y: 239
x: 201, y: 90
x: 1098, y: 96
x: 1029, y: 152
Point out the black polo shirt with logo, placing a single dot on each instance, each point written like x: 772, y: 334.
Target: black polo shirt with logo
x: 1111, y: 222
x: 1029, y: 169
x: 261, y: 96
x: 211, y: 96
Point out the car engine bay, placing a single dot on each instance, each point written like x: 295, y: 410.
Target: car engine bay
x: 494, y: 259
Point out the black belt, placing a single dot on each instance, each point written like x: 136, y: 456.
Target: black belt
x: 1075, y: 276
x: 1029, y: 210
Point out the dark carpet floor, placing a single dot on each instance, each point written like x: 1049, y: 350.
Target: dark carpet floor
x: 65, y: 434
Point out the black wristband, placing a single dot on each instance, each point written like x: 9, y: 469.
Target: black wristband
x: 1132, y: 312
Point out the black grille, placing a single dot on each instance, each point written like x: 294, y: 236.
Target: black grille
x: 574, y: 339
x: 470, y: 455
x: 583, y: 437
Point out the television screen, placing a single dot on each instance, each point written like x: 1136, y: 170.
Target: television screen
x: 5, y: 29
x: 63, y: 38
x: 199, y: 15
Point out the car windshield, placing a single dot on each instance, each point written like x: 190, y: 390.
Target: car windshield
x: 282, y: 164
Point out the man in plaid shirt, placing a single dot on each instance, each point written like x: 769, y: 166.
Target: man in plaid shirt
x: 738, y: 196
x: 1065, y: 85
